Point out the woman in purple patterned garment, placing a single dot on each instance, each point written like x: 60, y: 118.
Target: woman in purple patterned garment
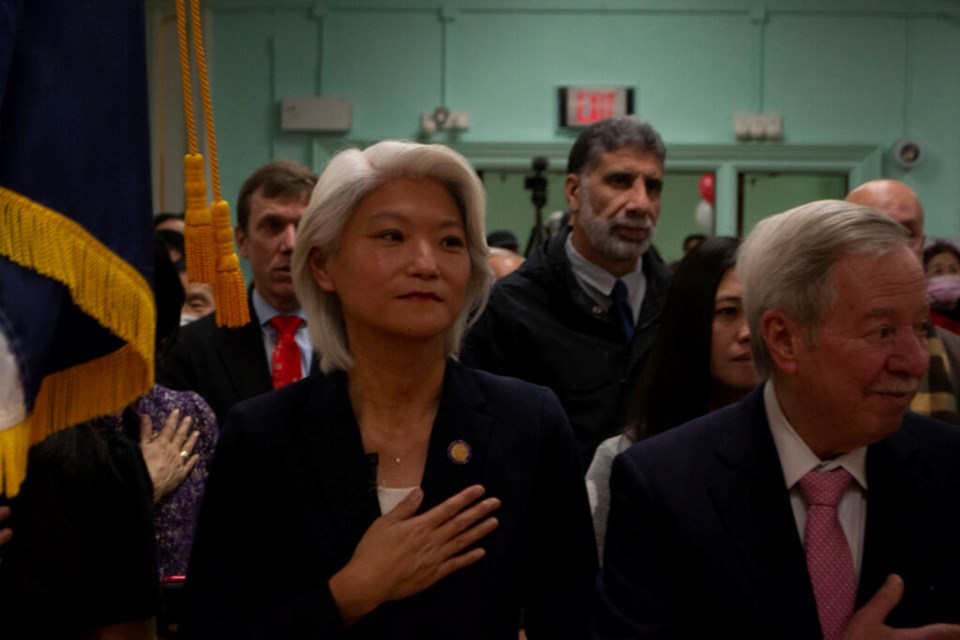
x: 177, y: 432
x: 174, y: 423
x: 86, y: 540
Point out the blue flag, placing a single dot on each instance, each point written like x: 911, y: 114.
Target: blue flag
x: 76, y: 309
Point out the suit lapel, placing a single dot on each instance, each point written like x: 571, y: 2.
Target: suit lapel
x: 333, y: 440
x: 245, y: 359
x: 753, y: 504
x: 347, y: 488
x: 460, y: 427
x: 658, y: 277
x: 898, y: 492
x: 347, y: 485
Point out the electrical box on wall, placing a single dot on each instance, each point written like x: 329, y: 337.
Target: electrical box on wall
x: 582, y: 106
x: 758, y: 126
x: 316, y: 113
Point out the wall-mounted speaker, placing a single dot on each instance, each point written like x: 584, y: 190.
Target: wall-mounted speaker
x: 907, y: 153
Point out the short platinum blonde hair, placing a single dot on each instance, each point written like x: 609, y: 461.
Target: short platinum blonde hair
x: 352, y: 175
x: 786, y: 263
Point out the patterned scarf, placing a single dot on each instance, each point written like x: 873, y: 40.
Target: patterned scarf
x: 936, y: 397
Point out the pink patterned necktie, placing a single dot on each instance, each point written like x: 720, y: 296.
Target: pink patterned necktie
x: 285, y: 362
x: 829, y: 560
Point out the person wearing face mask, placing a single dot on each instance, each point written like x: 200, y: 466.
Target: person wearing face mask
x: 198, y: 299
x: 198, y: 296
x: 941, y: 263
x: 940, y: 387
x: 699, y: 362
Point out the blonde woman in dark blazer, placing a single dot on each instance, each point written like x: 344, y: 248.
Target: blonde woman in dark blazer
x: 398, y: 494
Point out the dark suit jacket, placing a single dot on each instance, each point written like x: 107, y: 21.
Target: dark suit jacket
x: 702, y: 541
x: 290, y: 495
x: 224, y: 365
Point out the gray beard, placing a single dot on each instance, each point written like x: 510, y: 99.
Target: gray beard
x: 600, y: 234
x: 616, y: 249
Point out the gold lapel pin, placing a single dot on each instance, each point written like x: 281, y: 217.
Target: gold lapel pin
x: 459, y: 452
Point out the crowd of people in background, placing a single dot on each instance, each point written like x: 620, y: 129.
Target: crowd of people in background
x: 423, y: 434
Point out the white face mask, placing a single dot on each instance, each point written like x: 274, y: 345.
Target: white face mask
x: 944, y: 289
x: 187, y: 318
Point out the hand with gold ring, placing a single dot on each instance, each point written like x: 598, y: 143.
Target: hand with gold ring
x: 168, y: 452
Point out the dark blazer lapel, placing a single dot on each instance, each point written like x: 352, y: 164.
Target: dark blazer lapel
x: 897, y: 496
x: 754, y: 507
x: 460, y: 419
x: 244, y: 358
x: 347, y: 484
x: 658, y: 278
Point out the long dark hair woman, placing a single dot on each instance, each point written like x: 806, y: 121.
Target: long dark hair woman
x: 398, y: 494
x: 699, y: 362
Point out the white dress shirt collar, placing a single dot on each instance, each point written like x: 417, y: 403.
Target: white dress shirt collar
x: 598, y: 282
x: 265, y: 312
x: 796, y: 457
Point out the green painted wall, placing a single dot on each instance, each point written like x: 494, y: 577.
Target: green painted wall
x: 850, y: 78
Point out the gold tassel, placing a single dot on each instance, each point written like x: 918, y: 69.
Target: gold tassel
x: 230, y: 293
x: 198, y: 234
x: 210, y: 258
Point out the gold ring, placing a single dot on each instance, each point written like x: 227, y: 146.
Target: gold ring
x: 184, y: 454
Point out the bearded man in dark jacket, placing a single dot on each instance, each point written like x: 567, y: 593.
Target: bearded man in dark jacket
x: 579, y: 315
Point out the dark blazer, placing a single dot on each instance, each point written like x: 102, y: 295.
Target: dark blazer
x: 291, y: 493
x: 224, y: 365
x: 702, y: 542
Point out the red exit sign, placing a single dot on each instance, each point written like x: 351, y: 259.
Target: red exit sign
x: 582, y: 106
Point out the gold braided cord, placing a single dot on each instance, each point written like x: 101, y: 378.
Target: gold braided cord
x: 205, y: 97
x: 201, y: 254
x: 103, y: 286
x: 209, y: 234
x: 185, y: 78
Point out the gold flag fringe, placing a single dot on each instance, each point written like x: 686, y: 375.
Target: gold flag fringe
x: 103, y: 286
x: 14, y: 445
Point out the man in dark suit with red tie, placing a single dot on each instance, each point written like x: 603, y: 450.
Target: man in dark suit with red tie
x: 227, y: 365
x: 817, y: 507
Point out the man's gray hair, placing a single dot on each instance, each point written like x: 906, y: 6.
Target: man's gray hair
x: 611, y: 134
x: 786, y: 263
x: 352, y: 175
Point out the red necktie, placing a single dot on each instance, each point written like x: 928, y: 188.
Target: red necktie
x: 829, y: 560
x: 285, y: 362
